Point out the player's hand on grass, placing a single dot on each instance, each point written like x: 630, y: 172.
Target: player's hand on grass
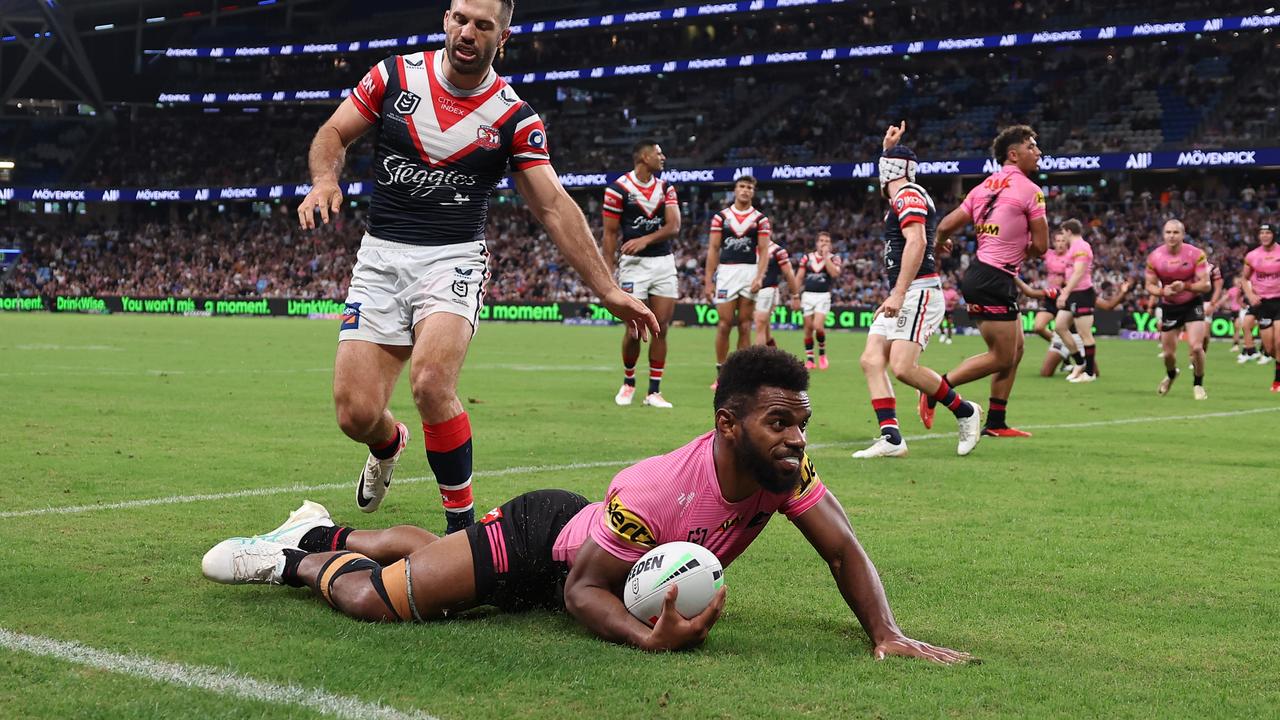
x: 325, y: 197
x: 892, y: 305
x: 674, y: 631
x: 894, y: 134
x: 639, y: 319
x: 904, y: 646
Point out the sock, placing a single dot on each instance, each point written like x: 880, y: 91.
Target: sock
x: 933, y: 401
x: 1199, y: 380
x: 886, y: 413
x: 1172, y: 373
x: 771, y: 342
x: 808, y: 350
x: 822, y: 342
x: 382, y: 452
x: 995, y: 415
x: 655, y: 376
x: 1090, y: 361
x: 1277, y: 371
x: 629, y: 369
x: 1250, y: 351
x: 1078, y: 358
x: 325, y: 539
x: 449, y: 454
x: 292, y: 558
x: 952, y: 400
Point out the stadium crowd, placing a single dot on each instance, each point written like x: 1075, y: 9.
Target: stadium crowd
x: 233, y: 254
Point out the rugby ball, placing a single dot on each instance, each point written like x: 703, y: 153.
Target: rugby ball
x: 693, y: 568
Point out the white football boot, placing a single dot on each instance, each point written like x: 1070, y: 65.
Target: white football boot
x: 969, y: 429
x: 625, y: 393
x: 376, y: 476
x: 1167, y: 383
x: 242, y: 560
x: 656, y: 400
x: 883, y: 448
x: 309, y: 515
x: 1198, y: 392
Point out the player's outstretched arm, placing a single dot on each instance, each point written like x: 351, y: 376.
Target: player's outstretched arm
x: 827, y: 528
x: 1111, y: 302
x: 592, y: 595
x: 327, y: 156
x: 563, y: 219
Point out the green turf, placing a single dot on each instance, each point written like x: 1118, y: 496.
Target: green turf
x: 1118, y: 570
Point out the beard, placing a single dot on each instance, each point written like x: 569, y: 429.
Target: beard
x: 762, y: 467
x: 475, y: 66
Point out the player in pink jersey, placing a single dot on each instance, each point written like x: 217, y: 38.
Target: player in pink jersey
x: 1212, y: 299
x: 1235, y: 302
x: 448, y: 129
x: 1008, y: 214
x: 1075, y: 311
x: 1178, y: 273
x: 1057, y: 261
x: 950, y: 298
x: 553, y: 549
x: 1262, y: 288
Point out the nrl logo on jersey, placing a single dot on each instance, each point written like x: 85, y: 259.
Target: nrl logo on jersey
x: 488, y: 137
x: 407, y: 102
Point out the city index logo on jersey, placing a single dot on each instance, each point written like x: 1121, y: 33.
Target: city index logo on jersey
x: 350, y: 317
x: 627, y: 525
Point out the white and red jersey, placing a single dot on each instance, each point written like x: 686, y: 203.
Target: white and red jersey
x: 641, y: 208
x: 739, y: 233
x: 777, y: 258
x: 677, y: 497
x: 817, y: 278
x: 441, y: 150
x: 910, y: 205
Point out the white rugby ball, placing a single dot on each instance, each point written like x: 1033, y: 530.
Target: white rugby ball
x: 693, y: 568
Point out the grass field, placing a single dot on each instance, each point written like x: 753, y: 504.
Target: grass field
x: 1121, y: 563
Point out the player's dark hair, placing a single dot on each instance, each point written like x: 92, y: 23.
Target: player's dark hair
x: 748, y: 179
x: 1008, y: 137
x: 748, y: 370
x: 641, y: 146
x: 1072, y: 226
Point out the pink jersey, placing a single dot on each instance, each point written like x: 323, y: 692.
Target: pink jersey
x: 1169, y: 268
x: 949, y: 297
x: 1081, y: 250
x: 1002, y: 208
x: 1266, y: 271
x: 1056, y: 267
x: 677, y: 497
x: 1234, y: 296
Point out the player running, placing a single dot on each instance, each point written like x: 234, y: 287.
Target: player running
x: 1177, y: 274
x: 766, y: 292
x: 641, y: 218
x: 448, y: 129
x: 1008, y: 214
x: 1076, y: 301
x: 817, y: 270
x: 906, y: 320
x: 738, y: 254
x: 554, y: 549
x: 1262, y: 288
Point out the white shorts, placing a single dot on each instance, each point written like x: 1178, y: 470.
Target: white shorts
x: 917, y: 321
x: 814, y: 302
x: 766, y: 299
x: 395, y: 285
x: 1240, y: 315
x: 645, y: 276
x: 734, y: 281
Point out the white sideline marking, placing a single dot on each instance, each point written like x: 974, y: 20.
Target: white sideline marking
x: 530, y: 469
x: 215, y: 680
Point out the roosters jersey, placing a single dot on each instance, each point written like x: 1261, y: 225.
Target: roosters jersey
x: 441, y: 150
x: 1215, y: 276
x: 816, y: 278
x: 739, y: 234
x: 641, y: 209
x: 772, y: 273
x: 911, y: 205
x: 677, y: 497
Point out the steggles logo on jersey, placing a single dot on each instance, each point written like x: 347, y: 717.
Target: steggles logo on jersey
x: 407, y: 102
x: 488, y: 137
x: 422, y: 181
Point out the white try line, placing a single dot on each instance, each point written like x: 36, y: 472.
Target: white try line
x: 214, y: 680
x: 532, y: 469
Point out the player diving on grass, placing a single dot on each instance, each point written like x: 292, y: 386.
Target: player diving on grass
x: 906, y: 320
x: 555, y: 549
x: 448, y: 129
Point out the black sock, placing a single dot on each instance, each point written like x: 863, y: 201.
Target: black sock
x: 389, y: 450
x: 1078, y: 358
x: 1199, y: 380
x: 292, y: 558
x: 325, y: 539
x: 456, y: 521
x: 1172, y: 373
x: 995, y: 413
x: 1277, y: 371
x: 1090, y: 361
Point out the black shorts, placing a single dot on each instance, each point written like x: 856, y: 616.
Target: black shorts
x: 1080, y: 302
x: 511, y: 551
x: 1173, y: 317
x: 1048, y: 305
x: 990, y: 293
x: 1267, y: 311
